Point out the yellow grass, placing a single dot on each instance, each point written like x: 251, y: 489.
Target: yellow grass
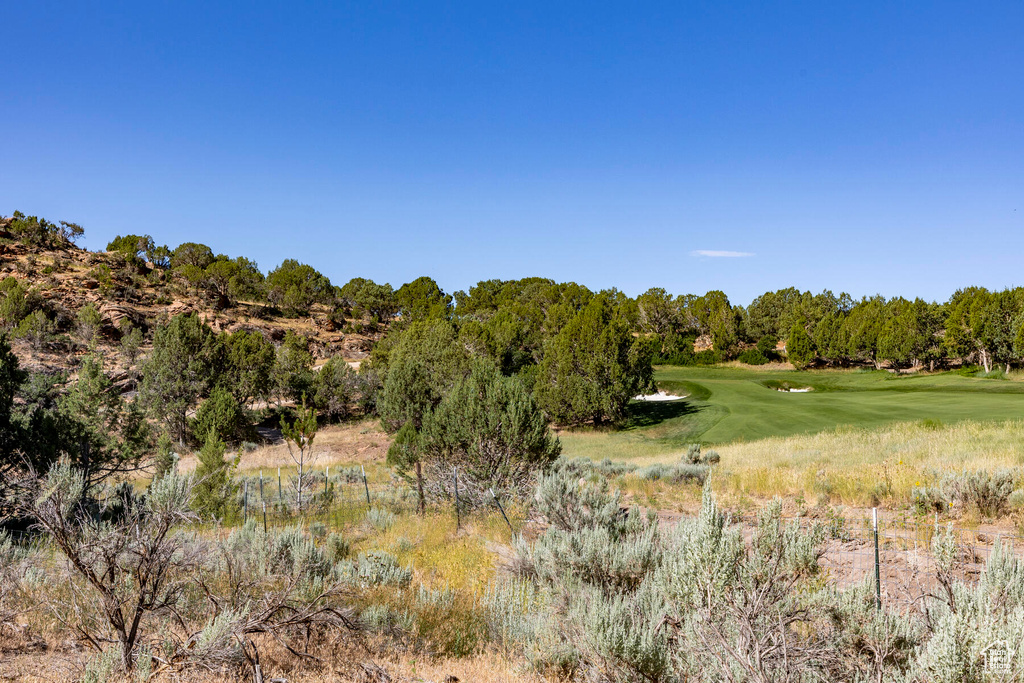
x: 347, y: 444
x: 863, y: 466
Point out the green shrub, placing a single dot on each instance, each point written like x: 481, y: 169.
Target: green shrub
x: 675, y: 474
x: 987, y: 492
x: 752, y: 357
x: 215, y: 490
x: 766, y: 345
x: 928, y: 499
x: 707, y: 357
x: 36, y: 328
x: 695, y: 457
x: 380, y: 519
x: 220, y: 412
x: 89, y: 322
x: 376, y: 568
x: 336, y: 548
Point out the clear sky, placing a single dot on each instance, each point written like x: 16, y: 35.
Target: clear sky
x: 868, y: 148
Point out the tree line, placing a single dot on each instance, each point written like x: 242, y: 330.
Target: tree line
x: 471, y: 379
x: 975, y: 325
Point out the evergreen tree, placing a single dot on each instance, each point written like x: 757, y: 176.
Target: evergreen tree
x: 366, y: 296
x: 488, y: 425
x: 11, y: 433
x: 215, y: 489
x: 422, y: 364
x: 295, y: 287
x: 166, y: 460
x: 422, y: 299
x: 181, y: 369
x: 299, y: 435
x: 111, y: 435
x: 293, y: 370
x: 863, y: 327
x: 222, y: 413
x: 593, y: 368
x: 250, y: 366
x: 405, y: 454
x: 799, y: 347
x: 89, y: 322
x: 333, y: 388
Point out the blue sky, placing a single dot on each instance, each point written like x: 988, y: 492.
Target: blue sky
x: 868, y: 148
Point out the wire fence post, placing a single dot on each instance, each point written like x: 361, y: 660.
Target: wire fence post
x: 245, y: 501
x: 261, y: 488
x: 280, y: 496
x: 878, y: 570
x: 365, y: 485
x: 264, y: 517
x: 502, y: 511
x: 458, y: 515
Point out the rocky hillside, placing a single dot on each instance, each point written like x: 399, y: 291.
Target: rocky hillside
x: 131, y: 297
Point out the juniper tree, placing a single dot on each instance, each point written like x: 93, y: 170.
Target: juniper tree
x: 110, y: 434
x: 90, y: 425
x: 250, y: 366
x: 295, y: 287
x: 223, y: 413
x: 420, y: 366
x: 165, y: 460
x: 405, y: 454
x: 491, y: 428
x: 332, y: 389
x: 593, y: 368
x: 181, y: 369
x: 299, y: 435
x: 215, y: 489
x: 293, y: 369
x: 799, y: 347
x: 89, y: 322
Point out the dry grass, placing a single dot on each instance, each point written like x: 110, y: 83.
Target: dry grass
x: 32, y: 660
x: 485, y: 668
x: 860, y: 466
x: 351, y: 443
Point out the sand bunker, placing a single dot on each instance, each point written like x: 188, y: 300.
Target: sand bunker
x: 660, y: 396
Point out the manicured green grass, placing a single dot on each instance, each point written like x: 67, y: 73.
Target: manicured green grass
x: 738, y: 404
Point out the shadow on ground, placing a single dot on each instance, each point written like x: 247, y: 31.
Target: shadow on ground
x: 650, y: 413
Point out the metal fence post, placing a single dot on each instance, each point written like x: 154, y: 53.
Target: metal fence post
x: 245, y: 501
x: 878, y: 571
x: 264, y: 518
x: 280, y: 496
x: 458, y: 515
x: 365, y: 485
x: 502, y: 511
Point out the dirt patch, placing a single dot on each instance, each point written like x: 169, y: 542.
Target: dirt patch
x: 357, y: 442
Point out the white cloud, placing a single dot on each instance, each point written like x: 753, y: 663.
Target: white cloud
x: 712, y: 253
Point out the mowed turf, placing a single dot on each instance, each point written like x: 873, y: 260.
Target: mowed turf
x: 732, y: 404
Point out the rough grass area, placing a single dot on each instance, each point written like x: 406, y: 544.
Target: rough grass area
x: 731, y: 404
x: 845, y: 466
x: 351, y: 443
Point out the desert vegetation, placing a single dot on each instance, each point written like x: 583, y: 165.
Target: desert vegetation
x: 211, y: 471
